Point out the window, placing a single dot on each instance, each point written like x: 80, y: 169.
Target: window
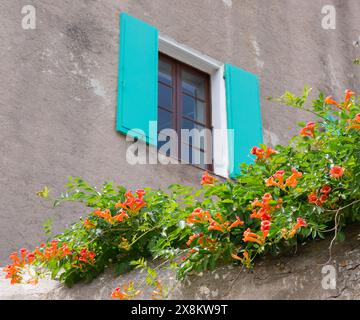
x: 184, y: 104
x: 157, y: 86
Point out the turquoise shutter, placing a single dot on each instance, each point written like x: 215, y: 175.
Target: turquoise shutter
x: 243, y: 116
x: 138, y: 76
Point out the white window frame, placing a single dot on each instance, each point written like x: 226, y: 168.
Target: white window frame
x: 215, y: 69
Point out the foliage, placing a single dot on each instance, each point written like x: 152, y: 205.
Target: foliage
x: 288, y: 194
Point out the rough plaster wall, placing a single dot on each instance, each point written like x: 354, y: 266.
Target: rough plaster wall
x: 58, y: 87
x: 281, y: 41
x: 296, y: 275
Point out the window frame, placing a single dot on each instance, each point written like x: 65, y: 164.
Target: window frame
x: 216, y: 69
x: 177, y: 109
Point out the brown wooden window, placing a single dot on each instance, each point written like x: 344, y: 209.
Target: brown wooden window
x: 184, y: 103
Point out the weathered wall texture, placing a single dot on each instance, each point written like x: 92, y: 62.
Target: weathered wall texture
x: 294, y: 276
x: 58, y: 87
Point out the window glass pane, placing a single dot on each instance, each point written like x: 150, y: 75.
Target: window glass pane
x: 193, y: 109
x: 193, y: 104
x: 187, y: 124
x: 194, y: 156
x: 202, y: 163
x: 196, y: 138
x: 193, y: 85
x: 165, y: 72
x: 164, y: 120
x: 164, y: 140
x: 165, y: 97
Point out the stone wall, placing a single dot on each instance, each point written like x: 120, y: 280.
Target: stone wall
x: 58, y: 87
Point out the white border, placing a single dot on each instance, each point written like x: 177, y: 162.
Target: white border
x: 215, y: 69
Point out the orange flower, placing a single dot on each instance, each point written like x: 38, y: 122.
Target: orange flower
x: 140, y: 193
x: 355, y: 123
x: 97, y: 212
x: 65, y: 251
x: 245, y: 260
x: 86, y: 256
x: 354, y: 126
x: 265, y: 227
x: 300, y: 222
x: 260, y: 214
x: 256, y: 203
x: 331, y: 101
x: 207, y: 179
x: 249, y: 236
x: 52, y: 252
x: 265, y: 211
x: 308, y: 130
x: 191, y: 219
x: 88, y: 224
x: 193, y: 237
x: 261, y: 153
x: 218, y: 216
x: 238, y: 222
x: 31, y: 258
x: 106, y: 215
x: 348, y: 95
x: 325, y: 189
x: 128, y: 293
x: 198, y: 216
x: 277, y: 180
x: 215, y: 226
x: 255, y: 215
x: 269, y: 151
x: 120, y: 216
x: 103, y: 214
x: 19, y: 261
x: 118, y: 294
x: 312, y: 198
x: 258, y: 152
x: 337, y: 172
x: 296, y: 174
x: 265, y: 216
x: 13, y: 273
x: 279, y: 176
x: 292, y: 180
x: 357, y: 118
x: 270, y: 182
x: 266, y: 198
x: 132, y: 204
x: 236, y: 257
x: 323, y: 198
x: 159, y: 292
